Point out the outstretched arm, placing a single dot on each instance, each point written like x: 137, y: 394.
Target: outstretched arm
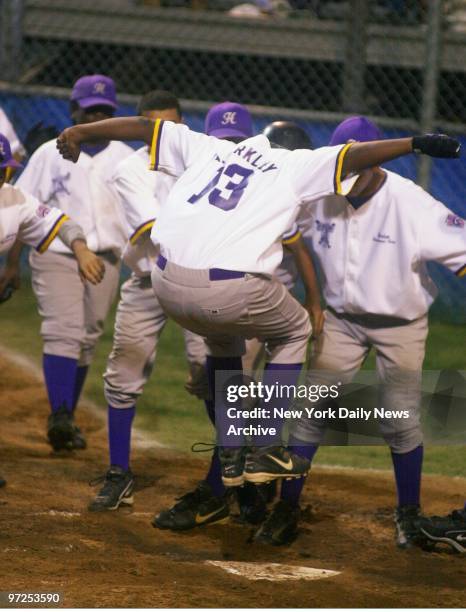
x: 362, y: 155
x: 121, y: 128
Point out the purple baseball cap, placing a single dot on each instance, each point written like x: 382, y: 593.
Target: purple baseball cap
x: 6, y: 158
x: 229, y: 119
x: 359, y: 129
x: 94, y: 90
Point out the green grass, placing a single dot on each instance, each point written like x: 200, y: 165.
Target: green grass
x: 178, y: 419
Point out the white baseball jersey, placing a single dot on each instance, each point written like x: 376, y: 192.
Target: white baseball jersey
x: 25, y: 218
x: 373, y: 257
x: 7, y: 129
x: 287, y: 271
x: 84, y: 191
x: 142, y: 194
x: 233, y: 202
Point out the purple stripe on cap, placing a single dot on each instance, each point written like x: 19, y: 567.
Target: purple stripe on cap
x: 359, y: 129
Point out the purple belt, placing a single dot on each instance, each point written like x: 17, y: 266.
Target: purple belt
x: 215, y: 274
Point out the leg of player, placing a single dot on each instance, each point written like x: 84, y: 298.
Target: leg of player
x: 226, y: 307
x: 62, y: 332
x: 138, y: 325
x: 208, y: 502
x: 253, y: 499
x: 337, y: 355
x: 400, y: 353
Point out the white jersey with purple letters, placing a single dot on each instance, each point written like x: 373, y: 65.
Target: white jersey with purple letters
x: 233, y: 202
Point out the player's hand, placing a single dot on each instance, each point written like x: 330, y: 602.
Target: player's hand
x: 437, y: 145
x: 9, y: 281
x: 196, y: 384
x: 316, y: 314
x: 68, y: 144
x: 91, y: 267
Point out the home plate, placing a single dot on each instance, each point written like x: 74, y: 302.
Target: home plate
x: 272, y: 571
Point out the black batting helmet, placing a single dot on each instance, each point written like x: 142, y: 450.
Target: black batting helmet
x: 288, y: 135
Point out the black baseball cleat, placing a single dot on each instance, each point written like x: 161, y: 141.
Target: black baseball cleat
x: 232, y: 461
x: 281, y: 526
x: 117, y: 490
x: 449, y: 529
x: 61, y: 429
x: 267, y: 463
x: 79, y: 441
x: 252, y: 502
x: 407, y: 526
x: 2, y: 482
x: 198, y: 507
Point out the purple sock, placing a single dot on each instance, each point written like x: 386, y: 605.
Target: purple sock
x: 81, y: 374
x: 210, y: 409
x: 214, y: 475
x: 291, y: 489
x: 60, y: 379
x: 408, y: 469
x: 218, y: 405
x: 119, y: 435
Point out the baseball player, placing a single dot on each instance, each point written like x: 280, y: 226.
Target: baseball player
x: 207, y: 503
x: 232, y: 121
x: 72, y: 320
x: 372, y: 246
x: 140, y: 319
x: 220, y: 242
x: 24, y: 218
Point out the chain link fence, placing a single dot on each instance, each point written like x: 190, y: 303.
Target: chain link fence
x: 403, y: 63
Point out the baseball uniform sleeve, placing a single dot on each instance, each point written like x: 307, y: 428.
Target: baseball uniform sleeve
x: 39, y: 224
x: 292, y: 235
x: 318, y: 173
x: 137, y: 190
x: 175, y: 147
x: 441, y: 234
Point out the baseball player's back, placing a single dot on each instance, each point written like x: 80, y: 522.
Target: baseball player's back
x: 235, y: 201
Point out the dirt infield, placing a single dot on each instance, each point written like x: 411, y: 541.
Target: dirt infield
x: 49, y: 542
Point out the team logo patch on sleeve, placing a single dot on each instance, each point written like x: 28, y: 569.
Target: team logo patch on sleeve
x: 454, y: 221
x: 42, y: 211
x: 325, y: 230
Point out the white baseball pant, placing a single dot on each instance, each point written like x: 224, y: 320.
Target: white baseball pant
x: 73, y: 313
x: 339, y: 353
x: 139, y: 322
x: 227, y: 311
